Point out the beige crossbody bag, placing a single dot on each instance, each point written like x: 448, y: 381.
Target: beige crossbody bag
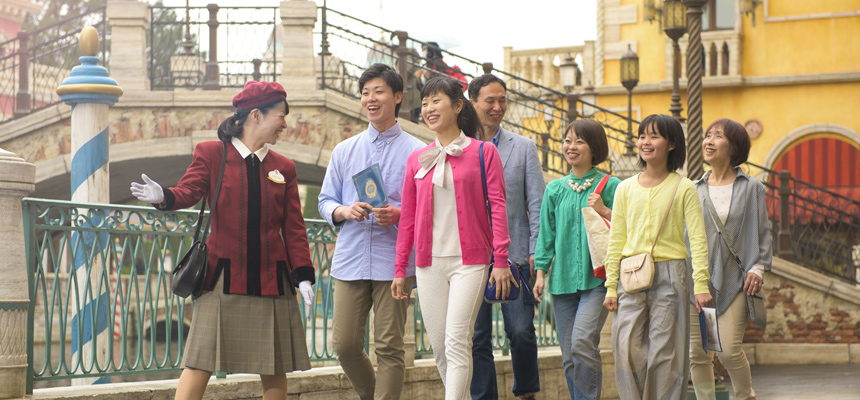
x: 637, y: 272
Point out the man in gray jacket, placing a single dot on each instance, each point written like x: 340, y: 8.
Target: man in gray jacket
x: 525, y: 186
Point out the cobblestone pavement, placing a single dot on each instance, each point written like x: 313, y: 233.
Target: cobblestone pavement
x: 806, y: 382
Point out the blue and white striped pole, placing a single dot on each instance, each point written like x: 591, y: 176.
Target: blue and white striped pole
x: 90, y: 92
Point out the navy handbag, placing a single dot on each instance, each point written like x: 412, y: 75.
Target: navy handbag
x: 490, y: 290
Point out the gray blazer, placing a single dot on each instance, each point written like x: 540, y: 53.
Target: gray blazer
x: 747, y: 228
x: 525, y: 186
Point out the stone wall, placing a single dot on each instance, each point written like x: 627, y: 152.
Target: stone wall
x: 812, y: 319
x: 422, y: 383
x: 807, y: 307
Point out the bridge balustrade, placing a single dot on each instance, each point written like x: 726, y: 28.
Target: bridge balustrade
x: 131, y: 292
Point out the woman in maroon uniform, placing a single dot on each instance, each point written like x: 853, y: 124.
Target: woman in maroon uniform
x: 247, y: 320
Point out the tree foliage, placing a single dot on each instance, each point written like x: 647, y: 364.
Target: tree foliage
x: 55, y: 31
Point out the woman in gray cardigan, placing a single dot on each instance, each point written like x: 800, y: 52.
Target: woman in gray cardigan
x: 738, y: 201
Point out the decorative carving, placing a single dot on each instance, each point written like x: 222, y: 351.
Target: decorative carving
x: 13, y: 336
x: 753, y: 128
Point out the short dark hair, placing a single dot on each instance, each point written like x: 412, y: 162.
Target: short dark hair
x: 467, y: 119
x: 388, y: 74
x: 594, y: 136
x: 739, y: 140
x: 671, y: 130
x: 481, y: 81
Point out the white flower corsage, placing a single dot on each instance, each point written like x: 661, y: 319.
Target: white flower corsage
x: 275, y: 176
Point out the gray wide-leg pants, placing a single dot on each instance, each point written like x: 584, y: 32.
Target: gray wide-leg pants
x: 651, y: 337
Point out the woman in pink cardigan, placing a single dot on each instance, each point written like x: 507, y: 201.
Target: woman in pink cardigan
x: 443, y: 215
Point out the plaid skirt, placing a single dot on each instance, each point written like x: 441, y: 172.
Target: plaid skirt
x: 246, y: 334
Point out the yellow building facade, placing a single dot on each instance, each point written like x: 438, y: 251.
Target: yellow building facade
x: 788, y: 70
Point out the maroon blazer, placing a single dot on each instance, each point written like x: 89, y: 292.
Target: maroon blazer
x: 251, y: 217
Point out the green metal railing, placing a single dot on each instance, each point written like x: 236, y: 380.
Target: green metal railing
x: 128, y: 254
x: 348, y: 45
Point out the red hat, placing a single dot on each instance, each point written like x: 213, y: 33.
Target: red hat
x: 256, y: 94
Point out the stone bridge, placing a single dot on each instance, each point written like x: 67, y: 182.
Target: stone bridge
x: 154, y: 132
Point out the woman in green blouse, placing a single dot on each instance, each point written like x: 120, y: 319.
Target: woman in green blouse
x: 577, y: 295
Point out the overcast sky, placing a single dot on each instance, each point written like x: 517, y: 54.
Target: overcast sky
x: 474, y: 29
x: 482, y: 28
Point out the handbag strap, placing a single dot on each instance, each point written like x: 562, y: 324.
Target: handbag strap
x: 665, y: 215
x: 601, y: 185
x: 484, y: 182
x: 214, y: 198
x: 720, y: 228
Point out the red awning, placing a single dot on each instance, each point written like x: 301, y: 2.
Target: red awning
x: 830, y: 169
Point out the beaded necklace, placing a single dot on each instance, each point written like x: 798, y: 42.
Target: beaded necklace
x: 579, y: 188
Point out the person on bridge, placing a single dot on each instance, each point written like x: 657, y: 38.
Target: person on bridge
x: 363, y: 261
x: 443, y: 217
x: 739, y: 202
x: 577, y: 294
x: 524, y: 184
x: 650, y: 331
x: 247, y: 320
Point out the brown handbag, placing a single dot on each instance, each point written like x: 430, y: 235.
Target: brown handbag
x: 637, y: 271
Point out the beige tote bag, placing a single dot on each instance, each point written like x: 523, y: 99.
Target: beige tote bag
x: 597, y: 233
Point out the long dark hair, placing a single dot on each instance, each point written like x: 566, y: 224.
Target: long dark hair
x: 233, y: 125
x: 467, y: 119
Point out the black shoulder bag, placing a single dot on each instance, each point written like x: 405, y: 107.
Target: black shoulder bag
x: 190, y: 272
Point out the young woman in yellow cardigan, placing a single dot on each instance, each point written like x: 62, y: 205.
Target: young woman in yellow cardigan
x: 650, y: 328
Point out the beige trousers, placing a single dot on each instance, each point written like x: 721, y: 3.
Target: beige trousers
x: 732, y: 325
x: 352, y: 303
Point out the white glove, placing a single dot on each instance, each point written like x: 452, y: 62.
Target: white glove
x: 150, y: 192
x: 307, y: 291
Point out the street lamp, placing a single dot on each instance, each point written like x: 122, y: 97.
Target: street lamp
x: 675, y: 25
x: 548, y: 119
x: 568, y: 70
x: 629, y: 79
x: 651, y: 12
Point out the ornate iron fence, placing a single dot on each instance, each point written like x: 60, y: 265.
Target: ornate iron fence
x: 33, y: 64
x: 811, y: 225
x: 110, y: 267
x: 184, y: 44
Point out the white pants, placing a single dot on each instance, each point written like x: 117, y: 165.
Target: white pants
x: 450, y: 295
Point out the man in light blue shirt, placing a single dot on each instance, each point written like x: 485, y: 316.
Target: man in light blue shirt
x: 363, y: 261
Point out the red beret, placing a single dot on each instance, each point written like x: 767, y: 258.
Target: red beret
x: 255, y: 94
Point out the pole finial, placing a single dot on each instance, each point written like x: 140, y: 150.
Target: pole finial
x: 89, y: 41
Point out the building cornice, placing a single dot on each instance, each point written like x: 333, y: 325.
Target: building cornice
x: 746, y: 81
x: 17, y: 10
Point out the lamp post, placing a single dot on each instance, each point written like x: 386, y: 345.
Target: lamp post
x: 629, y: 79
x: 675, y: 25
x: 548, y: 119
x: 695, y: 161
x: 568, y: 70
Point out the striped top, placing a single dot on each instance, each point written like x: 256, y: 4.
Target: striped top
x: 746, y: 227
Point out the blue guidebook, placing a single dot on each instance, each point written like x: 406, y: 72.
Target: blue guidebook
x: 370, y: 187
